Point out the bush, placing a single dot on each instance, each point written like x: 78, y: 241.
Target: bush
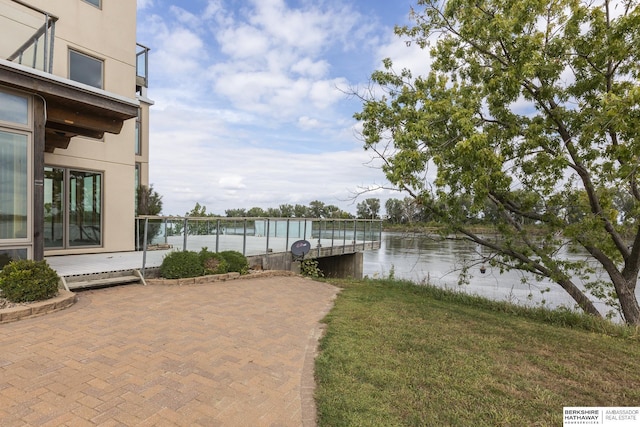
x: 237, y: 262
x: 213, y: 263
x: 27, y: 280
x: 309, y: 268
x: 180, y: 265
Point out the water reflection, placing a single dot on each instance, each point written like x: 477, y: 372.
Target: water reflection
x: 422, y: 258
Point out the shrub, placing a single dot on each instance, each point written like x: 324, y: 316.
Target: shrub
x: 309, y: 268
x: 237, y: 262
x: 213, y: 263
x: 180, y: 265
x: 27, y: 280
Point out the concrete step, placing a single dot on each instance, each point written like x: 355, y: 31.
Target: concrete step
x: 85, y: 281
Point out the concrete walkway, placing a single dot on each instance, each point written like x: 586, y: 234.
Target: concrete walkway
x: 236, y: 353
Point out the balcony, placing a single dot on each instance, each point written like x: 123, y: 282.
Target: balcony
x: 28, y: 35
x: 142, y: 69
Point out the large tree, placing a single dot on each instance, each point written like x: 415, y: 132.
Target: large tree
x: 534, y: 107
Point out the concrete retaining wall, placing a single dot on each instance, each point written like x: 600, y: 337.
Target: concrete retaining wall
x: 339, y: 266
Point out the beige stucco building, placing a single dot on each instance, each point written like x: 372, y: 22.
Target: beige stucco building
x: 74, y: 117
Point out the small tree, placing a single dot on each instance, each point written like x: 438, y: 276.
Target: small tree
x: 394, y: 211
x: 300, y: 211
x: 148, y: 202
x: 286, y: 211
x: 317, y: 209
x: 369, y: 208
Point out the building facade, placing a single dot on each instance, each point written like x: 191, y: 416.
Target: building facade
x: 74, y: 120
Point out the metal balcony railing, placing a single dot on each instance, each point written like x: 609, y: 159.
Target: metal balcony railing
x: 27, y: 35
x: 255, y: 236
x: 142, y: 67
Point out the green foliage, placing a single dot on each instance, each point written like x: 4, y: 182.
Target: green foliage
x: 27, y: 280
x: 181, y: 264
x: 316, y: 209
x: 237, y: 262
x: 309, y: 268
x: 148, y: 202
x: 212, y: 262
x: 369, y: 209
x: 529, y: 113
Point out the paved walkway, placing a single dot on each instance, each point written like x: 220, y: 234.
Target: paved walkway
x: 237, y: 353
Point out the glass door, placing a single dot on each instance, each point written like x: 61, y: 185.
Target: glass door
x: 85, y: 208
x: 54, y: 196
x: 15, y: 192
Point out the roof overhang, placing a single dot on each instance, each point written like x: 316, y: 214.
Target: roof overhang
x: 72, y: 108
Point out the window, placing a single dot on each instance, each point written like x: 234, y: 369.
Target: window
x: 137, y: 178
x: 16, y: 179
x: 14, y: 108
x: 138, y: 174
x: 73, y: 208
x: 138, y: 150
x: 96, y: 3
x: 85, y: 69
x: 9, y: 254
x: 14, y: 186
x: 85, y: 208
x: 54, y: 207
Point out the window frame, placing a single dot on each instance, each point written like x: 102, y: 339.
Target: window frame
x: 86, y: 55
x: 18, y: 125
x: 4, y: 249
x: 138, y: 134
x: 99, y: 5
x: 26, y: 129
x: 66, y: 205
x: 27, y: 240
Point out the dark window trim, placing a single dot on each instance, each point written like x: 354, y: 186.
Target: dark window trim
x: 95, y: 58
x: 99, y: 5
x: 66, y: 206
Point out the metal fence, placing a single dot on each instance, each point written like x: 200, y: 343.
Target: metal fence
x: 252, y: 236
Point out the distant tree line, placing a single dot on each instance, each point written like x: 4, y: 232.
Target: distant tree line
x: 408, y: 210
x: 398, y: 211
x: 369, y: 208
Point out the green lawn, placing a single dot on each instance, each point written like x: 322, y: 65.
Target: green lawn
x: 395, y: 354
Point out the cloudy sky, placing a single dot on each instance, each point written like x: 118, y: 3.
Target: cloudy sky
x: 250, y: 99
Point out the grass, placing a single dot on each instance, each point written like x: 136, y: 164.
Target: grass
x: 396, y: 354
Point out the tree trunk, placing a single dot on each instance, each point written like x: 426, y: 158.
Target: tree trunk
x: 580, y: 298
x: 628, y: 301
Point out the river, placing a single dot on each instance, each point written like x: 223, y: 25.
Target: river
x: 424, y: 259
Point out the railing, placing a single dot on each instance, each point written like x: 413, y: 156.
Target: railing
x: 28, y: 35
x: 142, y: 67
x: 255, y: 236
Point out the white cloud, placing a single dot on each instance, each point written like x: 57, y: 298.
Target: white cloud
x: 324, y: 93
x: 222, y: 172
x: 231, y: 182
x: 143, y: 4
x: 243, y: 41
x: 411, y: 56
x: 250, y: 104
x: 306, y: 123
x: 294, y: 28
x: 310, y: 68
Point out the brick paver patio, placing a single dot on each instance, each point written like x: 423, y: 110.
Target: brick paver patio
x: 236, y: 353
